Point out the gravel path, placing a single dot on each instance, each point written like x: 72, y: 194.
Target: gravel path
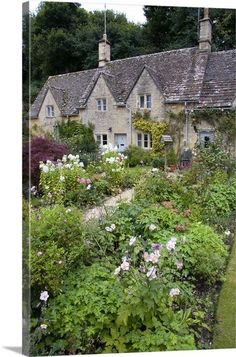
x: 108, y: 205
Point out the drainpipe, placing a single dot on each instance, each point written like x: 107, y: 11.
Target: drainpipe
x: 186, y: 124
x: 130, y: 121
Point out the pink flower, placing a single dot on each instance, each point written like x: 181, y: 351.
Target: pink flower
x: 125, y: 265
x: 151, y: 274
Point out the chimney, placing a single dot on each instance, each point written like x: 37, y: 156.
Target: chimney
x: 104, y: 51
x: 205, y: 32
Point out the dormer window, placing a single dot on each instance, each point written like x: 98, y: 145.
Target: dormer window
x: 102, y: 104
x: 145, y: 101
x: 49, y: 111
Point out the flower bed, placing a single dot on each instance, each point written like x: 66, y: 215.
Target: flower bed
x: 143, y: 278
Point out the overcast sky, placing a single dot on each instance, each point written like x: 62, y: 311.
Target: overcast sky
x: 134, y: 8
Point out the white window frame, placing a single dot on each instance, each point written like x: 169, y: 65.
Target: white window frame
x: 102, y: 104
x: 144, y: 140
x: 101, y: 139
x: 145, y: 101
x: 49, y: 111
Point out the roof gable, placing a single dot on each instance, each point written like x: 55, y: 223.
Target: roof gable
x: 181, y: 75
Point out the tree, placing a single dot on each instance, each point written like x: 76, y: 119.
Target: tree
x: 177, y: 27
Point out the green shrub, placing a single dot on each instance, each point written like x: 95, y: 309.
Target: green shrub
x: 56, y: 246
x: 204, y: 254
x: 136, y: 155
x: 77, y: 136
x: 158, y: 162
x: 78, y: 317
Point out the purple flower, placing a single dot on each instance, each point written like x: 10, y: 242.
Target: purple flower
x: 151, y: 274
x: 156, y: 246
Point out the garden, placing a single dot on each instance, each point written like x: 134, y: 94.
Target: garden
x: 146, y: 276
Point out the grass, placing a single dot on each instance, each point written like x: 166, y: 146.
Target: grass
x: 225, y: 330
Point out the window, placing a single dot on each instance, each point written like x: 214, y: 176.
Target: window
x: 101, y: 104
x: 139, y: 137
x: 149, y: 101
x: 145, y: 101
x: 101, y: 139
x: 206, y: 137
x: 49, y: 111
x: 144, y: 140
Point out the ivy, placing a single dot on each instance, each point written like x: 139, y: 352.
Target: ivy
x: 222, y: 120
x: 155, y: 128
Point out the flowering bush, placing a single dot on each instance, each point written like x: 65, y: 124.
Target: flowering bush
x: 56, y: 245
x: 113, y: 164
x: 57, y: 179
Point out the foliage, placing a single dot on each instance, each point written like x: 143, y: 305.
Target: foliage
x: 112, y: 165
x: 222, y: 120
x: 56, y: 180
x: 158, y: 162
x: 158, y: 186
x: 56, y: 246
x: 172, y: 158
x: 154, y: 128
x: 77, y: 137
x: 219, y: 199
x: 39, y: 149
x: 175, y: 27
x: 137, y: 155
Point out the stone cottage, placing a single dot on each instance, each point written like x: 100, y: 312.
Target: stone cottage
x: 108, y: 96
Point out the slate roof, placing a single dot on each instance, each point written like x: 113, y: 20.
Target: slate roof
x: 182, y: 75
x: 219, y: 86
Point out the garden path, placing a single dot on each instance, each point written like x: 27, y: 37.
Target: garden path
x: 108, y: 204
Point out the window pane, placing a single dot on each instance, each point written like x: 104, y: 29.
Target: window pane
x: 149, y: 101
x: 104, y: 139
x: 104, y: 104
x: 141, y: 101
x: 99, y: 139
x: 145, y: 140
x: 99, y: 104
x: 139, y: 137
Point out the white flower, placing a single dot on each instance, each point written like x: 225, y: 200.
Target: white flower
x: 43, y: 326
x: 64, y: 158
x: 48, y: 162
x: 49, y: 195
x: 108, y: 229
x: 68, y: 166
x: 89, y: 187
x: 71, y: 157
x: 33, y: 188
x: 227, y: 233
x: 125, y: 265
x: 45, y: 169
x: 68, y: 210
x: 154, y: 169
x: 151, y: 274
x: 152, y: 227
x: 179, y: 265
x: 170, y: 245
x: 62, y: 178
x: 60, y: 262
x: 46, y: 187
x: 174, y: 292
x: 44, y: 296
x: 146, y: 257
x: 153, y: 257
x: 39, y: 254
x: 113, y: 226
x: 81, y: 164
x: 117, y: 270
x: 132, y: 240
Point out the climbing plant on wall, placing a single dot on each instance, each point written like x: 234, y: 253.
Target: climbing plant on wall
x: 223, y: 120
x: 154, y: 128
